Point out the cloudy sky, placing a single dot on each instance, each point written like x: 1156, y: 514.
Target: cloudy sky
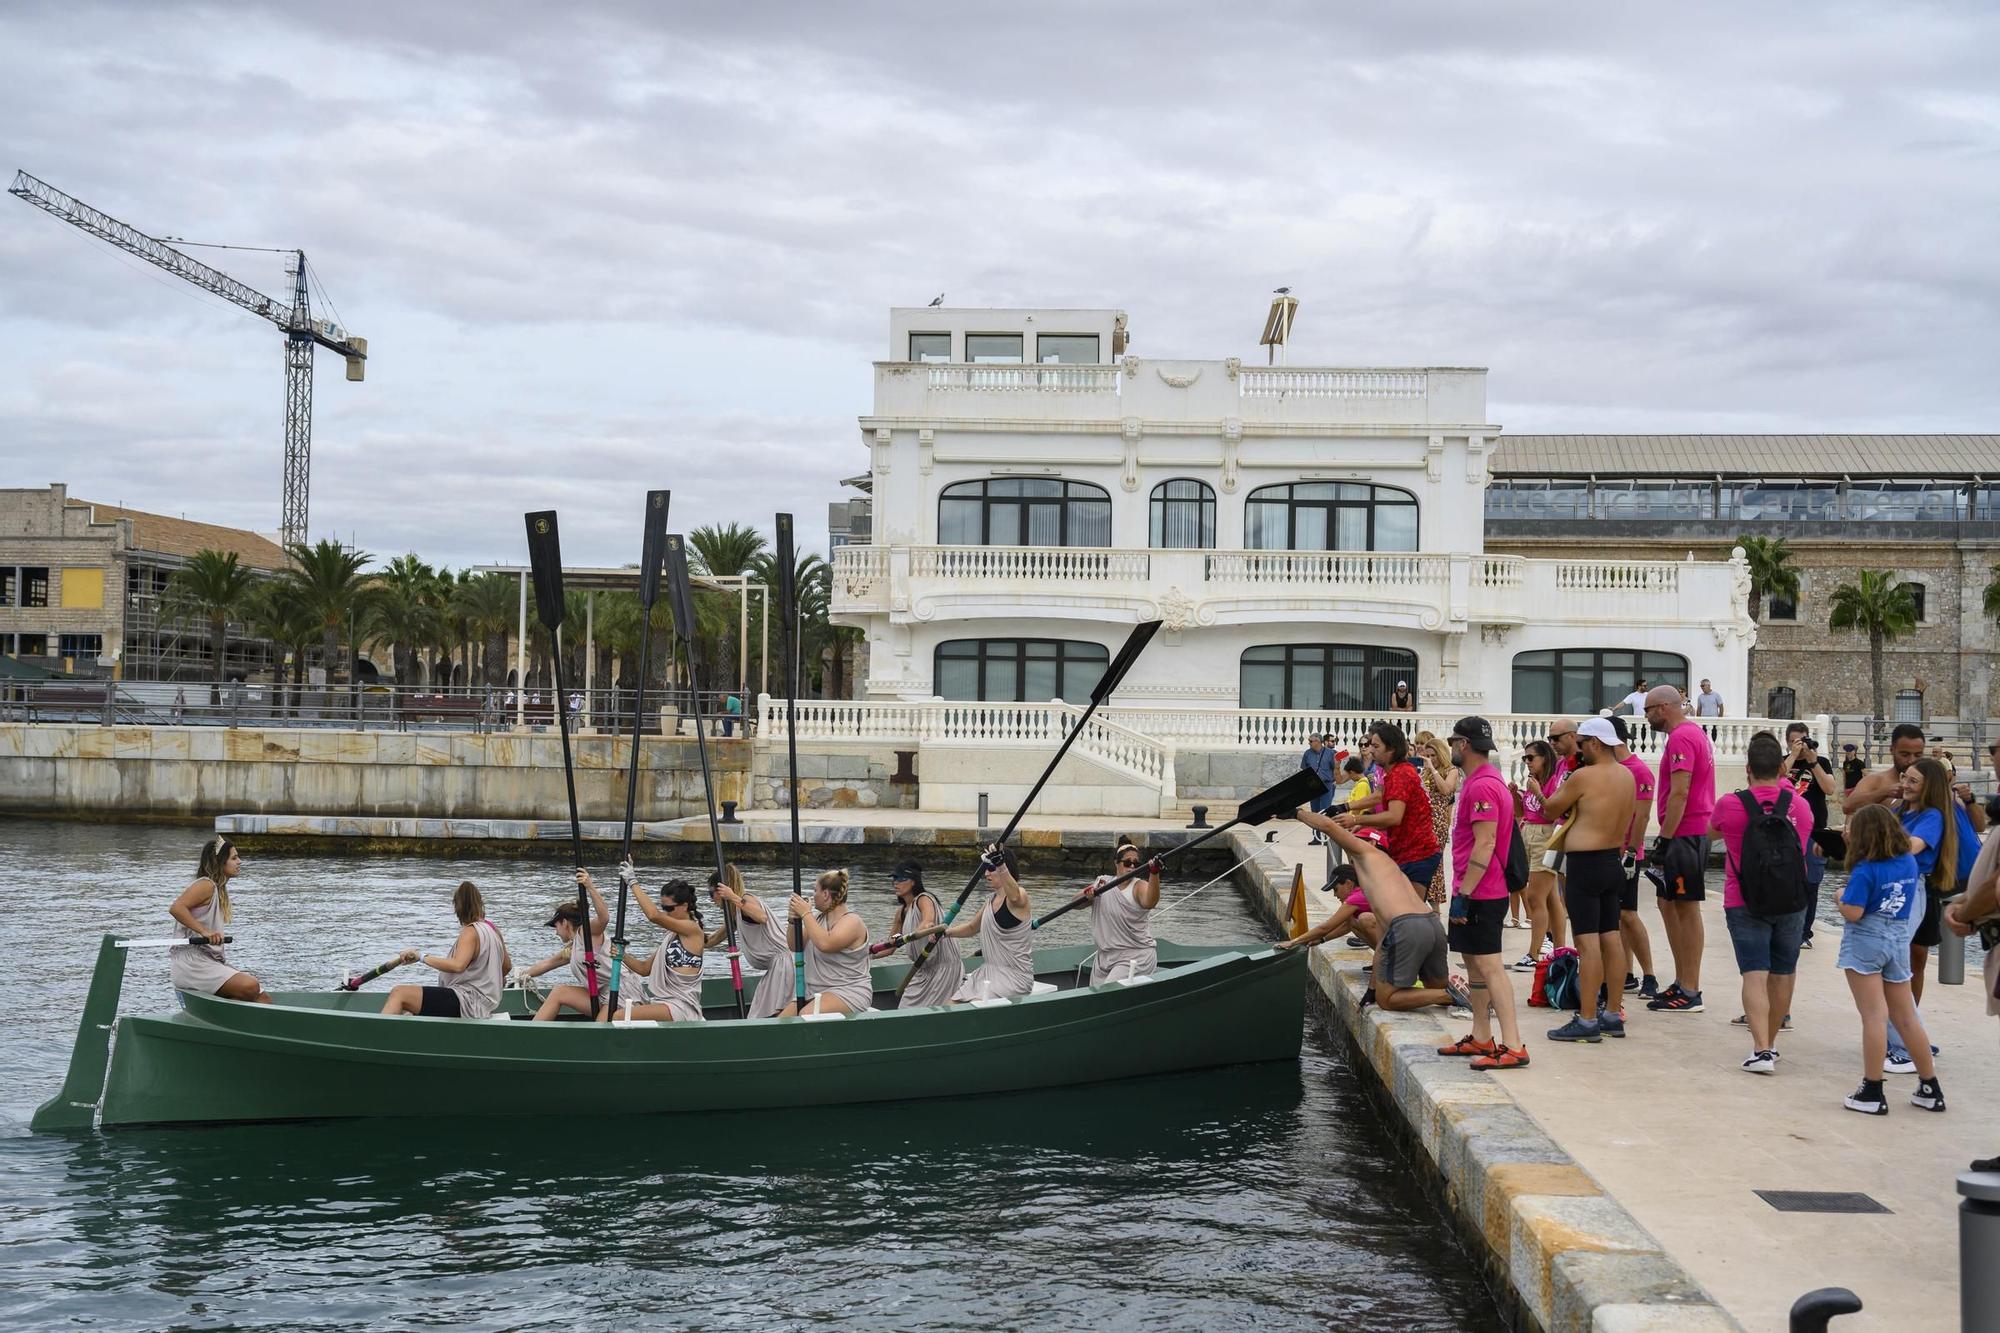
x: 600, y: 247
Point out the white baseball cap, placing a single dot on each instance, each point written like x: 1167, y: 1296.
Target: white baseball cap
x: 1599, y: 729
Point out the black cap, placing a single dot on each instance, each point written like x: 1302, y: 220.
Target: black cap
x: 1624, y: 732
x: 569, y: 912
x: 1476, y: 732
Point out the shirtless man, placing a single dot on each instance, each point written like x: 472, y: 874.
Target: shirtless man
x: 1597, y: 798
x: 1906, y: 746
x: 1413, y: 944
x: 1632, y: 926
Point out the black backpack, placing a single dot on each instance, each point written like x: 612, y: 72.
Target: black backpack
x: 1771, y: 870
x: 1516, y: 869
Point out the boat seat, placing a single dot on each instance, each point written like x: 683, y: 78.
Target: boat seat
x: 822, y: 1018
x: 1043, y: 988
x: 1132, y: 981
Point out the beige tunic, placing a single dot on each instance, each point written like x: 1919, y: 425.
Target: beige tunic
x: 680, y: 993
x: 768, y: 945
x: 200, y: 967
x: 844, y: 974
x: 603, y: 959
x: 479, y: 986
x: 1009, y: 958
x: 940, y: 977
x: 1124, y: 934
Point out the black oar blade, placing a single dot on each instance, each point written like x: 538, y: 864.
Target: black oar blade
x: 1135, y: 643
x: 788, y: 590
x: 545, y: 557
x: 654, y: 548
x: 678, y: 596
x: 1301, y: 788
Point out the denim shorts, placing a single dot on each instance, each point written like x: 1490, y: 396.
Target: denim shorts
x: 1421, y: 873
x: 1766, y: 944
x: 1874, y: 945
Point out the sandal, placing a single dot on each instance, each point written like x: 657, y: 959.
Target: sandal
x: 1502, y: 1058
x: 1468, y: 1045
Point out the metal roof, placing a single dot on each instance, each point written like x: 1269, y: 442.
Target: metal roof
x: 1748, y: 455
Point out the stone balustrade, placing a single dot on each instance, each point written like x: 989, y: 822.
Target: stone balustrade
x: 1057, y: 564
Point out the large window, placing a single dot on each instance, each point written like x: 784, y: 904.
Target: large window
x: 1330, y: 516
x: 1916, y: 591
x: 34, y: 585
x: 993, y: 347
x: 1034, y: 670
x: 1024, y: 511
x: 1584, y: 680
x: 930, y: 347
x: 1183, y: 516
x: 1556, y: 497
x: 1322, y: 676
x: 80, y: 645
x: 1069, y: 349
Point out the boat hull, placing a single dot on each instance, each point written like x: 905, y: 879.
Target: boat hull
x: 324, y: 1056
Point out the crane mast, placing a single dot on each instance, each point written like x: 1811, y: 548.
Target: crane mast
x: 302, y: 332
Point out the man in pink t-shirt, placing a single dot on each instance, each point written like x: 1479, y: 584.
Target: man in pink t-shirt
x: 1482, y: 832
x: 1631, y: 926
x: 1767, y: 948
x: 1678, y: 862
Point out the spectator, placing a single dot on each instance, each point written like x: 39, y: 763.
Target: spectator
x: 1441, y: 784
x: 1413, y: 948
x: 1979, y: 910
x: 1399, y: 806
x: 1765, y: 939
x: 1943, y: 756
x: 1708, y: 703
x: 1931, y: 819
x: 1684, y: 795
x: 1882, y: 885
x: 1597, y: 799
x: 1403, y: 700
x: 1482, y: 831
x: 1638, y: 941
x: 1974, y: 811
x: 1319, y: 760
x: 1906, y: 746
x: 1351, y: 916
x: 1354, y: 774
x: 1536, y: 828
x: 732, y: 709
x: 1635, y: 702
x: 1811, y: 776
x: 1851, y: 769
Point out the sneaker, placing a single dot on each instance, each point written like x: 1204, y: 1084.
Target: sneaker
x: 1928, y: 1095
x: 1649, y: 986
x: 1761, y: 1062
x: 1806, y: 943
x: 1466, y: 1045
x: 1455, y: 988
x: 1577, y: 1030
x: 1676, y: 1001
x: 1355, y: 942
x: 1502, y: 1058
x: 1986, y: 1164
x: 1631, y: 983
x: 1743, y: 1021
x: 1899, y: 1065
x: 1525, y: 963
x: 1868, y: 1100
x: 1548, y: 947
x: 1610, y: 1024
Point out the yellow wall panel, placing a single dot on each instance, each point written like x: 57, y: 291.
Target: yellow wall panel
x: 83, y: 588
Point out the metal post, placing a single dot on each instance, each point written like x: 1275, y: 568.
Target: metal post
x: 743, y: 643
x: 589, y: 651
x: 982, y: 811
x: 767, y: 640
x: 1978, y: 1242
x: 521, y: 662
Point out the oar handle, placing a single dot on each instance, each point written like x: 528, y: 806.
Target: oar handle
x: 167, y: 943
x: 356, y: 983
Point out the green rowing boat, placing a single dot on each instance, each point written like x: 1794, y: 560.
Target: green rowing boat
x: 322, y: 1055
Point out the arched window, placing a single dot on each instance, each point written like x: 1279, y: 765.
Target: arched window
x: 1782, y: 702
x: 1583, y: 680
x: 1330, y: 516
x: 1322, y: 676
x: 1020, y: 670
x: 1183, y: 516
x: 1024, y: 511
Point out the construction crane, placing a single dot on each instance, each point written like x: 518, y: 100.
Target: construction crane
x: 301, y: 330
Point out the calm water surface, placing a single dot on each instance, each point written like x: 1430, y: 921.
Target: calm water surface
x: 1264, y: 1197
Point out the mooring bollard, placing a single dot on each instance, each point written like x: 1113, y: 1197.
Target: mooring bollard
x: 1200, y: 817
x: 1812, y: 1311
x: 1978, y: 1242
x: 729, y: 814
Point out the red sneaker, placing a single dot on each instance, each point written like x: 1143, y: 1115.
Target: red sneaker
x: 1502, y: 1058
x: 1467, y: 1045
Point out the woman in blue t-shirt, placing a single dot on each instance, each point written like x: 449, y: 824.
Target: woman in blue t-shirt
x: 1930, y: 818
x: 1882, y: 893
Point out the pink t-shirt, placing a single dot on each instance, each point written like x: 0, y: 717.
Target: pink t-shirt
x: 1642, y: 779
x: 1531, y: 801
x: 1483, y: 799
x: 1731, y: 820
x: 1357, y: 899
x: 1687, y: 751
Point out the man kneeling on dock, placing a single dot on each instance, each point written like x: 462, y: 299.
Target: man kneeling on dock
x: 1413, y: 944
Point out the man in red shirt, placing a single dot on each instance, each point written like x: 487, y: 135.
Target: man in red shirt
x: 1399, y: 806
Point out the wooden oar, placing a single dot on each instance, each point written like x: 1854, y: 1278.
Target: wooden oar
x: 788, y: 616
x: 167, y: 943
x: 652, y: 556
x: 683, y: 605
x: 545, y: 557
x: 1135, y: 643
x: 356, y: 983
x: 1301, y: 788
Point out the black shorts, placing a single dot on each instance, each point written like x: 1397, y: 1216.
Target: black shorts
x: 1930, y: 931
x: 1592, y: 891
x: 1680, y: 874
x: 439, y: 1002
x: 1628, y: 893
x: 1479, y: 933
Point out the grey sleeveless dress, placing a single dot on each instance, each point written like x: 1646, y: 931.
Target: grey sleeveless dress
x: 1124, y: 934
x: 844, y: 973
x: 200, y: 967
x: 1009, y: 966
x: 938, y: 979
x: 768, y: 946
x: 478, y: 987
x: 681, y: 994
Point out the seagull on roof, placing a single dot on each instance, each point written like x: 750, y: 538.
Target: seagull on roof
x: 938, y: 299
x: 1281, y: 291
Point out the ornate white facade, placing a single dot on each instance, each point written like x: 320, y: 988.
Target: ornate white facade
x: 1359, y: 444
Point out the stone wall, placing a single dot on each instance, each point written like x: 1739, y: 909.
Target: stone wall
x: 196, y: 771
x: 831, y: 776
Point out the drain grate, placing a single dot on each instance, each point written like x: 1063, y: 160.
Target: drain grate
x: 1819, y: 1201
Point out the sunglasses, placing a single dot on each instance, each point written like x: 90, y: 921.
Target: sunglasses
x: 1128, y: 862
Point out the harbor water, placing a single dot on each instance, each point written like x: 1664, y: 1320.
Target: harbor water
x: 1269, y: 1196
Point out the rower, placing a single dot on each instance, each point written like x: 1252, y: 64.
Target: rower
x: 671, y: 990
x: 202, y: 911
x: 762, y: 938
x: 1006, y: 935
x: 918, y: 913
x: 836, y: 939
x: 568, y: 920
x: 1119, y: 923
x: 473, y: 972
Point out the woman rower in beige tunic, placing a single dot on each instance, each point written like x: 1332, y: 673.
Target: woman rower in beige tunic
x: 670, y: 991
x: 1120, y: 924
x: 473, y: 973
x: 764, y: 941
x: 1006, y: 935
x: 202, y: 911
x: 918, y: 914
x: 837, y: 976
x: 569, y: 924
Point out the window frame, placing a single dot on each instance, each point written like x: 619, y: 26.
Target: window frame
x: 25, y: 588
x: 1096, y: 346
x: 1068, y: 654
x: 910, y: 347
x: 1333, y: 506
x: 1647, y: 664
x: 1159, y: 508
x: 1021, y: 344
x: 65, y: 649
x: 1373, y: 661
x: 1073, y: 493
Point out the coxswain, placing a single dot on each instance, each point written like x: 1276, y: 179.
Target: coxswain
x: 670, y: 988
x: 1006, y: 935
x: 473, y: 972
x: 918, y: 914
x: 837, y: 977
x: 202, y: 911
x: 1119, y: 920
x: 567, y: 919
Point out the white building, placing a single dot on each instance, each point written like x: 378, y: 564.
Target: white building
x: 1308, y: 535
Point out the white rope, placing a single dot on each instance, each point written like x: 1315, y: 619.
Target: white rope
x: 1217, y: 880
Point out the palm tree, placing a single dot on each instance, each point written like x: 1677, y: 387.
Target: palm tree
x: 403, y: 610
x: 279, y: 616
x: 490, y: 605
x: 725, y: 552
x: 1990, y: 600
x: 813, y: 578
x: 326, y: 577
x: 1772, y: 573
x: 1879, y: 606
x: 216, y: 586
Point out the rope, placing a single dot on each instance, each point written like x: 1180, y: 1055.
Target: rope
x: 1160, y: 912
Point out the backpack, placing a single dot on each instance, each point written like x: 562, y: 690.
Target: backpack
x: 1516, y: 869
x: 1558, y: 976
x: 1771, y: 867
